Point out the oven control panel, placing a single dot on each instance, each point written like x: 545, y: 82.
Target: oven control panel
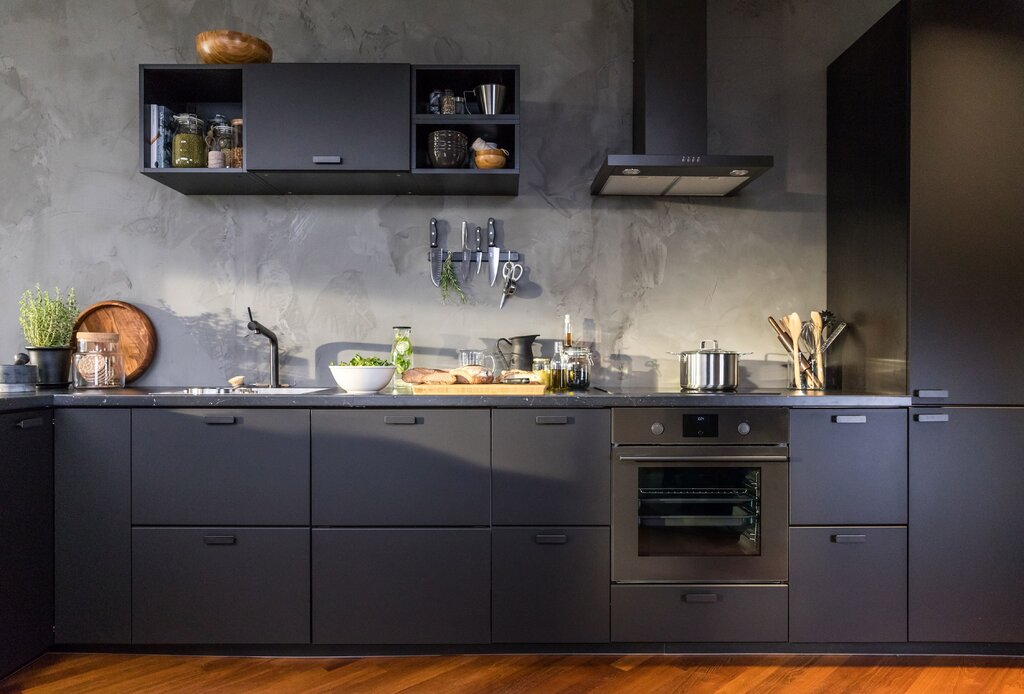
x: 685, y: 425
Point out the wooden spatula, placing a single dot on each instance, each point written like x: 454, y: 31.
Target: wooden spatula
x: 793, y: 325
x: 819, y: 364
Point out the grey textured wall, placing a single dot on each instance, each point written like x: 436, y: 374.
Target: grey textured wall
x: 640, y: 276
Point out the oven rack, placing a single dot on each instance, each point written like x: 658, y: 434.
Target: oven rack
x: 698, y: 521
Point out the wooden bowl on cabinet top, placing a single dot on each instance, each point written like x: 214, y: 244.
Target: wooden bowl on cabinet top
x: 224, y: 47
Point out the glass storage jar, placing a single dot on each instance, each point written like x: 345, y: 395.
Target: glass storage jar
x: 223, y: 139
x: 238, y: 158
x: 188, y: 144
x: 401, y: 351
x: 576, y: 365
x: 98, y: 362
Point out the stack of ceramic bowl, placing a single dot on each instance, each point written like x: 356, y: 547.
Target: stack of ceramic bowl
x: 447, y: 149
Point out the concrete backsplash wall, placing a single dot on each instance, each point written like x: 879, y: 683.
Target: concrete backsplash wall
x: 332, y: 274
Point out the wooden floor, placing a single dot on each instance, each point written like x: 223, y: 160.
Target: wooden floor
x: 643, y: 674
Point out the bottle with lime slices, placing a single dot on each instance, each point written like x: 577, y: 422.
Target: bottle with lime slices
x: 401, y: 351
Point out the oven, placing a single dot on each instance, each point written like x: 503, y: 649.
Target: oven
x: 700, y: 496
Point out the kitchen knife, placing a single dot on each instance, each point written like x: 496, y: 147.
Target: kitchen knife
x: 435, y: 255
x: 464, y: 267
x: 479, y: 250
x: 493, y: 252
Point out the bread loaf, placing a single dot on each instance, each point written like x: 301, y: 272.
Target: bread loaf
x: 472, y: 374
x: 516, y: 376
x: 417, y: 375
x: 439, y: 378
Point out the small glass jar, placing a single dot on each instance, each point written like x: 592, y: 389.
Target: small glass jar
x: 576, y: 365
x: 238, y: 158
x: 448, y: 102
x: 542, y: 367
x: 98, y: 363
x: 223, y: 140
x: 188, y: 144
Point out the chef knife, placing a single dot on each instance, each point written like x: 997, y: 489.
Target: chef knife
x: 479, y: 250
x: 435, y: 255
x: 493, y: 252
x: 464, y: 268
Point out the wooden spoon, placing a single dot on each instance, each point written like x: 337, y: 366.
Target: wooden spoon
x: 819, y: 365
x: 793, y: 325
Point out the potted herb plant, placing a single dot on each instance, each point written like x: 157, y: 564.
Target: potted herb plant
x: 48, y: 324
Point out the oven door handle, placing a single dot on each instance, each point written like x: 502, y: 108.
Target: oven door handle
x: 704, y: 458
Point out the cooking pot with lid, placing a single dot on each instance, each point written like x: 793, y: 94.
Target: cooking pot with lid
x: 708, y: 368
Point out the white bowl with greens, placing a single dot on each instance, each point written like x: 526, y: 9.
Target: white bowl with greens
x: 363, y: 375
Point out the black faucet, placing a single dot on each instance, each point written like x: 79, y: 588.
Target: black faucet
x: 258, y: 328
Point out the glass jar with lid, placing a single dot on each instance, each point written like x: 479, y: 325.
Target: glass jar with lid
x: 401, y: 352
x: 576, y: 366
x: 98, y: 362
x: 188, y: 144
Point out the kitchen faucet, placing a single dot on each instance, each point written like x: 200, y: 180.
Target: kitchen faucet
x: 258, y: 328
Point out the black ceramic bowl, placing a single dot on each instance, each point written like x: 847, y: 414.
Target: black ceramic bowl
x: 447, y: 149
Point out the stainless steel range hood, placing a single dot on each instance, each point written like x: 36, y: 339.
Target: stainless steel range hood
x: 670, y: 121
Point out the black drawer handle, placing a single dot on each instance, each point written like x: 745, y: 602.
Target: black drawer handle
x: 400, y: 419
x: 218, y: 419
x: 550, y: 539
x: 552, y: 420
x: 931, y: 418
x: 850, y: 419
x: 327, y: 159
x: 219, y: 539
x: 931, y: 393
x: 701, y: 597
x: 30, y: 423
x: 849, y: 539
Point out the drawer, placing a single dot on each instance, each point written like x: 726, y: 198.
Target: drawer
x: 220, y: 467
x: 848, y: 467
x: 848, y: 585
x: 401, y: 585
x: 551, y: 467
x: 696, y: 613
x: 220, y: 585
x: 550, y: 585
x: 401, y: 467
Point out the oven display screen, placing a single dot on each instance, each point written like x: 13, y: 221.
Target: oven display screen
x: 700, y: 426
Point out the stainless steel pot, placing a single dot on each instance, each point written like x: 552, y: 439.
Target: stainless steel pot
x: 708, y: 368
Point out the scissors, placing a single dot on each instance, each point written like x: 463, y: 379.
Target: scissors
x: 511, y: 272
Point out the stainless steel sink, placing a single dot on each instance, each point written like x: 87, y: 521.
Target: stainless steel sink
x: 240, y: 391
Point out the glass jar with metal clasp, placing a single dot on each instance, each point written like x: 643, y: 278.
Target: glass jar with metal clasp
x: 98, y: 362
x: 576, y: 365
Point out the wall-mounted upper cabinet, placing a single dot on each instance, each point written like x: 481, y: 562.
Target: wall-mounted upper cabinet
x: 330, y: 128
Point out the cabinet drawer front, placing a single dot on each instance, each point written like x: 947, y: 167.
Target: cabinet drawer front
x: 371, y: 467
x: 408, y: 586
x: 699, y: 613
x: 848, y: 585
x: 848, y: 467
x: 551, y: 467
x: 550, y: 585
x: 220, y: 467
x: 220, y: 585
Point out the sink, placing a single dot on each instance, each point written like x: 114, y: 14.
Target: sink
x: 240, y: 391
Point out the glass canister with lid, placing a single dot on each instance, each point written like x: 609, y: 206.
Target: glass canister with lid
x: 98, y: 362
x: 188, y: 144
x: 576, y: 365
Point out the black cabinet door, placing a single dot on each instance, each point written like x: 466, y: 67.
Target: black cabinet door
x: 551, y: 467
x: 92, y: 487
x: 550, y: 585
x: 401, y: 467
x: 848, y: 467
x: 220, y: 585
x: 26, y: 537
x: 965, y: 547
x: 407, y: 586
x: 220, y: 467
x: 847, y: 585
x: 327, y: 117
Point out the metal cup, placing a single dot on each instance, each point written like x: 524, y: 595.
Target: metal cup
x: 491, y: 98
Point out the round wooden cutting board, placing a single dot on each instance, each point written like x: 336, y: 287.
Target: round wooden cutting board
x: 138, y: 337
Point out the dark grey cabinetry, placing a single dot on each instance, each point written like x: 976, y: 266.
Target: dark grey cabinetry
x: 220, y: 585
x: 401, y: 585
x: 848, y: 584
x: 966, y: 570
x: 26, y: 537
x: 848, y: 467
x: 92, y: 492
x: 401, y: 467
x: 220, y: 467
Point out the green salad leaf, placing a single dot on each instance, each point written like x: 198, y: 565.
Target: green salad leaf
x: 359, y: 360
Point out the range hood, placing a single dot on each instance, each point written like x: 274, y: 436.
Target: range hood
x: 670, y: 121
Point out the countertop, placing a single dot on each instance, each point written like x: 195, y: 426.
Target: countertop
x: 335, y: 397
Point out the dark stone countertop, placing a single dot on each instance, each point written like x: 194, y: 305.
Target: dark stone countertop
x: 334, y: 397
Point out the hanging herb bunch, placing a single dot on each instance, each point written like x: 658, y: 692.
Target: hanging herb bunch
x: 450, y: 282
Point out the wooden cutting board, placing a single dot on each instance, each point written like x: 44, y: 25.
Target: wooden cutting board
x: 480, y: 389
x: 138, y: 336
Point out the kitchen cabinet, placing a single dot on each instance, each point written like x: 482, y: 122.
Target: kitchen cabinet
x: 401, y: 585
x: 220, y: 585
x: 26, y: 537
x: 92, y: 519
x: 385, y: 467
x: 964, y: 549
x: 550, y: 585
x: 220, y: 467
x: 551, y: 467
x: 848, y: 584
x: 848, y: 467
